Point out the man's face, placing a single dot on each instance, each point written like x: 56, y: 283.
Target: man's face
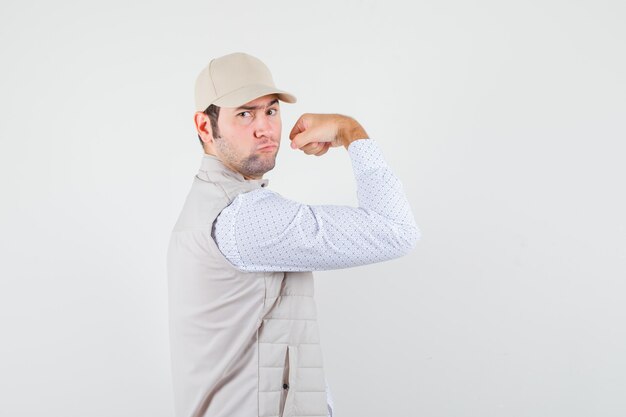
x: 249, y: 136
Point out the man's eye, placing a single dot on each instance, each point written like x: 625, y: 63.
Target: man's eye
x: 272, y: 112
x: 244, y: 114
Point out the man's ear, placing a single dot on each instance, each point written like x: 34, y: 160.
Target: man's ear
x: 203, y: 127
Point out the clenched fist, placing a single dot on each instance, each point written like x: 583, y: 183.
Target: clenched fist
x: 316, y: 133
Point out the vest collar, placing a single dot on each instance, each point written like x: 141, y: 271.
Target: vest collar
x: 212, y: 165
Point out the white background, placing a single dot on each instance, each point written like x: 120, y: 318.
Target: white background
x: 505, y: 122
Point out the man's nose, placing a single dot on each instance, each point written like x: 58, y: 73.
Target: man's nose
x: 263, y: 126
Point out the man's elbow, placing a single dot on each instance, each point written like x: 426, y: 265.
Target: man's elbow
x: 408, y: 239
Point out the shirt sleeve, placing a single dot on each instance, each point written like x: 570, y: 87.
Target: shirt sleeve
x: 263, y: 231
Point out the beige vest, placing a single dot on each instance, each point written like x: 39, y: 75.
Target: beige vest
x: 243, y: 344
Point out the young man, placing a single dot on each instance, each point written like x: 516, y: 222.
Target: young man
x: 244, y: 337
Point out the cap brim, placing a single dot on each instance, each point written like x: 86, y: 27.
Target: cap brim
x: 250, y: 92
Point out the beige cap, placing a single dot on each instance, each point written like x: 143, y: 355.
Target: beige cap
x: 235, y: 79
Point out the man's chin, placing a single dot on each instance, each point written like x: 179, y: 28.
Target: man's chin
x: 271, y: 166
x: 260, y: 165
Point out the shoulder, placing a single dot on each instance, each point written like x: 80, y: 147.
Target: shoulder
x: 263, y: 199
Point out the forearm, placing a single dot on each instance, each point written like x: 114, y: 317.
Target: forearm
x: 379, y: 191
x: 378, y: 188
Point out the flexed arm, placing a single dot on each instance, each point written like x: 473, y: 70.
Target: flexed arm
x: 263, y: 231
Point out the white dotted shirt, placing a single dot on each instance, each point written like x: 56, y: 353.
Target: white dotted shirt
x: 263, y: 231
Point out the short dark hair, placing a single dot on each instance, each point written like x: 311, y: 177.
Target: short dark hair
x: 213, y: 112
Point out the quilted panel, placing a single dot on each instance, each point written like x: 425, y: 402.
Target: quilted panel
x: 291, y: 372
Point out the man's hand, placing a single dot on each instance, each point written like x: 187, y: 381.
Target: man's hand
x: 316, y: 133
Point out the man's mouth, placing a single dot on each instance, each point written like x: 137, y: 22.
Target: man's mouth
x: 267, y: 147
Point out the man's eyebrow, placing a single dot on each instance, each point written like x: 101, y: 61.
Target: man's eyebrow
x: 271, y: 103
